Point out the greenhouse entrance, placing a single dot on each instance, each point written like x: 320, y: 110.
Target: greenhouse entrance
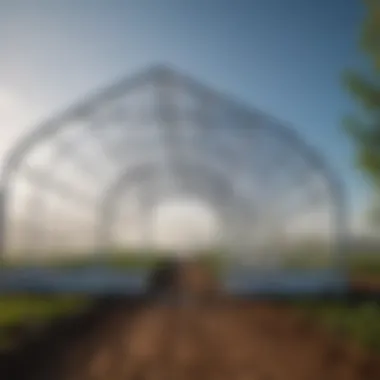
x: 94, y: 196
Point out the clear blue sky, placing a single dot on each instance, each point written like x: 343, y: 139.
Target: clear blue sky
x: 284, y: 56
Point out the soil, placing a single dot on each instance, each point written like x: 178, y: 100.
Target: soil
x: 164, y: 339
x: 369, y: 284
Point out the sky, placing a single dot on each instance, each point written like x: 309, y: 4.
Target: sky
x: 284, y: 57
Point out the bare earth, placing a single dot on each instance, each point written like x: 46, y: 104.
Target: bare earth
x: 224, y: 339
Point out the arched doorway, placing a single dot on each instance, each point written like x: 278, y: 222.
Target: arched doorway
x: 260, y: 178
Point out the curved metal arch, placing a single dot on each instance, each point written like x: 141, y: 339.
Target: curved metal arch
x: 149, y: 166
x: 220, y: 187
x: 293, y: 137
x: 139, y: 170
x: 78, y: 110
x: 104, y: 228
x: 19, y: 151
x: 16, y: 154
x: 287, y: 133
x: 290, y: 135
x: 21, y: 148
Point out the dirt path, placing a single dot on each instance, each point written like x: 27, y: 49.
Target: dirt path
x: 230, y: 341
x: 227, y: 339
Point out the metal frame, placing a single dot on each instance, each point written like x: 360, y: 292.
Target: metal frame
x: 167, y: 83
x: 195, y: 178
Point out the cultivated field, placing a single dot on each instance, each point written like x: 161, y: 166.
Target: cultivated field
x: 230, y: 339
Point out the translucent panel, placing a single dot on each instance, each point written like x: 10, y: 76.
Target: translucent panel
x: 112, y: 169
x: 185, y: 224
x: 41, y: 156
x: 70, y: 174
x: 71, y: 134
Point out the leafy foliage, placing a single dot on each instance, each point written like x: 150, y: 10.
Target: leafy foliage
x: 365, y: 88
x: 358, y: 323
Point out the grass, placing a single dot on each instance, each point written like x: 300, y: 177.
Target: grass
x: 19, y: 310
x: 129, y: 261
x: 360, y: 323
x: 358, y: 263
x: 364, y: 265
x: 116, y: 259
x: 126, y: 260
